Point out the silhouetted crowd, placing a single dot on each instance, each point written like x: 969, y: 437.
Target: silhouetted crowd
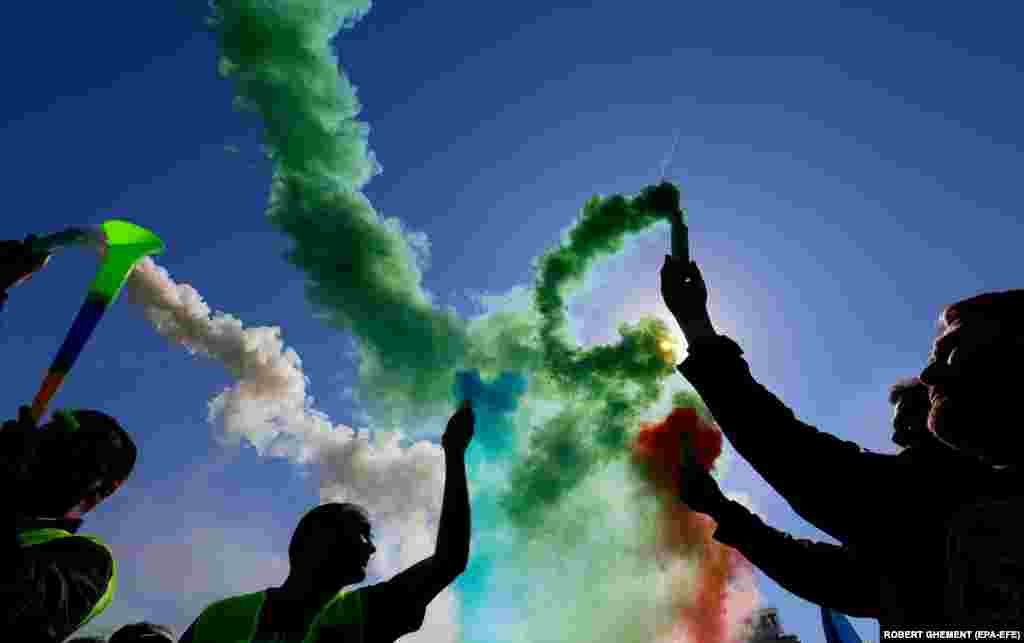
x: 929, y: 536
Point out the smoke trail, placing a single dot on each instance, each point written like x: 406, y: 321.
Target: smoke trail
x: 606, y: 387
x: 268, y: 407
x: 586, y: 575
x: 657, y: 455
x: 600, y: 231
x: 552, y: 490
x: 268, y: 404
x: 363, y: 271
x: 486, y: 603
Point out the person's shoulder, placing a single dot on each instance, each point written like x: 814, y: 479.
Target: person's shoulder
x: 983, y: 561
x: 882, y: 459
x: 77, y: 550
x: 249, y: 599
x: 391, y: 611
x: 377, y: 590
x: 391, y: 589
x: 937, y: 458
x: 73, y: 541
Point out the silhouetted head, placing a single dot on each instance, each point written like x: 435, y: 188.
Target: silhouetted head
x: 973, y: 377
x: 911, y: 407
x: 333, y: 540
x: 82, y: 457
x: 143, y: 633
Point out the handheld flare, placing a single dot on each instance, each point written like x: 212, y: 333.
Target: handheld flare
x: 664, y: 198
x: 680, y: 237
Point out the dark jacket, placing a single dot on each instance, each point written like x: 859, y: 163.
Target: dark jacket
x: 47, y: 590
x: 895, y: 510
x: 800, y: 566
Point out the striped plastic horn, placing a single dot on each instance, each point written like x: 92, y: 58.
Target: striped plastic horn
x: 122, y: 245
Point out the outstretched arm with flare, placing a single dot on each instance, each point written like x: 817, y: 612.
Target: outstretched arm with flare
x: 826, y: 574
x: 811, y: 469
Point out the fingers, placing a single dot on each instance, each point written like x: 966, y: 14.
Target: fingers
x: 463, y: 414
x: 460, y: 430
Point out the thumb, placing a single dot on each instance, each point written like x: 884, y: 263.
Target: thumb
x: 696, y: 273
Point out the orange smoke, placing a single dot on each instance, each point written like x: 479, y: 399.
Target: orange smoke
x: 657, y: 451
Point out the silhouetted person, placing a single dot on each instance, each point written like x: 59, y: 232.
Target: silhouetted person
x: 53, y: 581
x: 911, y: 407
x: 903, y: 511
x: 330, y: 549
x: 807, y: 568
x: 143, y: 633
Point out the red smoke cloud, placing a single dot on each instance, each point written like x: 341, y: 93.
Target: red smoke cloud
x: 657, y: 452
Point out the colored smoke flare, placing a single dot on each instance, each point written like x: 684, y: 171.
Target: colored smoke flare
x: 665, y: 198
x: 657, y: 454
x: 123, y: 245
x: 680, y: 238
x: 548, y: 468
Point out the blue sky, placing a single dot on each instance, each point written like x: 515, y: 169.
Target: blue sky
x: 848, y: 171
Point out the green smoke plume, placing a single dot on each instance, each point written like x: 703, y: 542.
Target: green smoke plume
x: 606, y: 387
x: 362, y: 270
x: 365, y: 272
x: 550, y: 499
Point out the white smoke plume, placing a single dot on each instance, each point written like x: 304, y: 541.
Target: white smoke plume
x: 268, y: 406
x: 268, y: 401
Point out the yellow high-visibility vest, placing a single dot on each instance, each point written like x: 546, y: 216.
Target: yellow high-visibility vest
x: 34, y: 537
x: 235, y: 619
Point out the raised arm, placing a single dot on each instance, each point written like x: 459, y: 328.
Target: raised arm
x: 829, y: 575
x: 421, y: 583
x: 830, y: 482
x: 454, y: 529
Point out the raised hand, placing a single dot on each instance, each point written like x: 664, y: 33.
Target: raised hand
x: 699, y: 490
x: 459, y: 432
x: 18, y: 260
x: 686, y: 296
